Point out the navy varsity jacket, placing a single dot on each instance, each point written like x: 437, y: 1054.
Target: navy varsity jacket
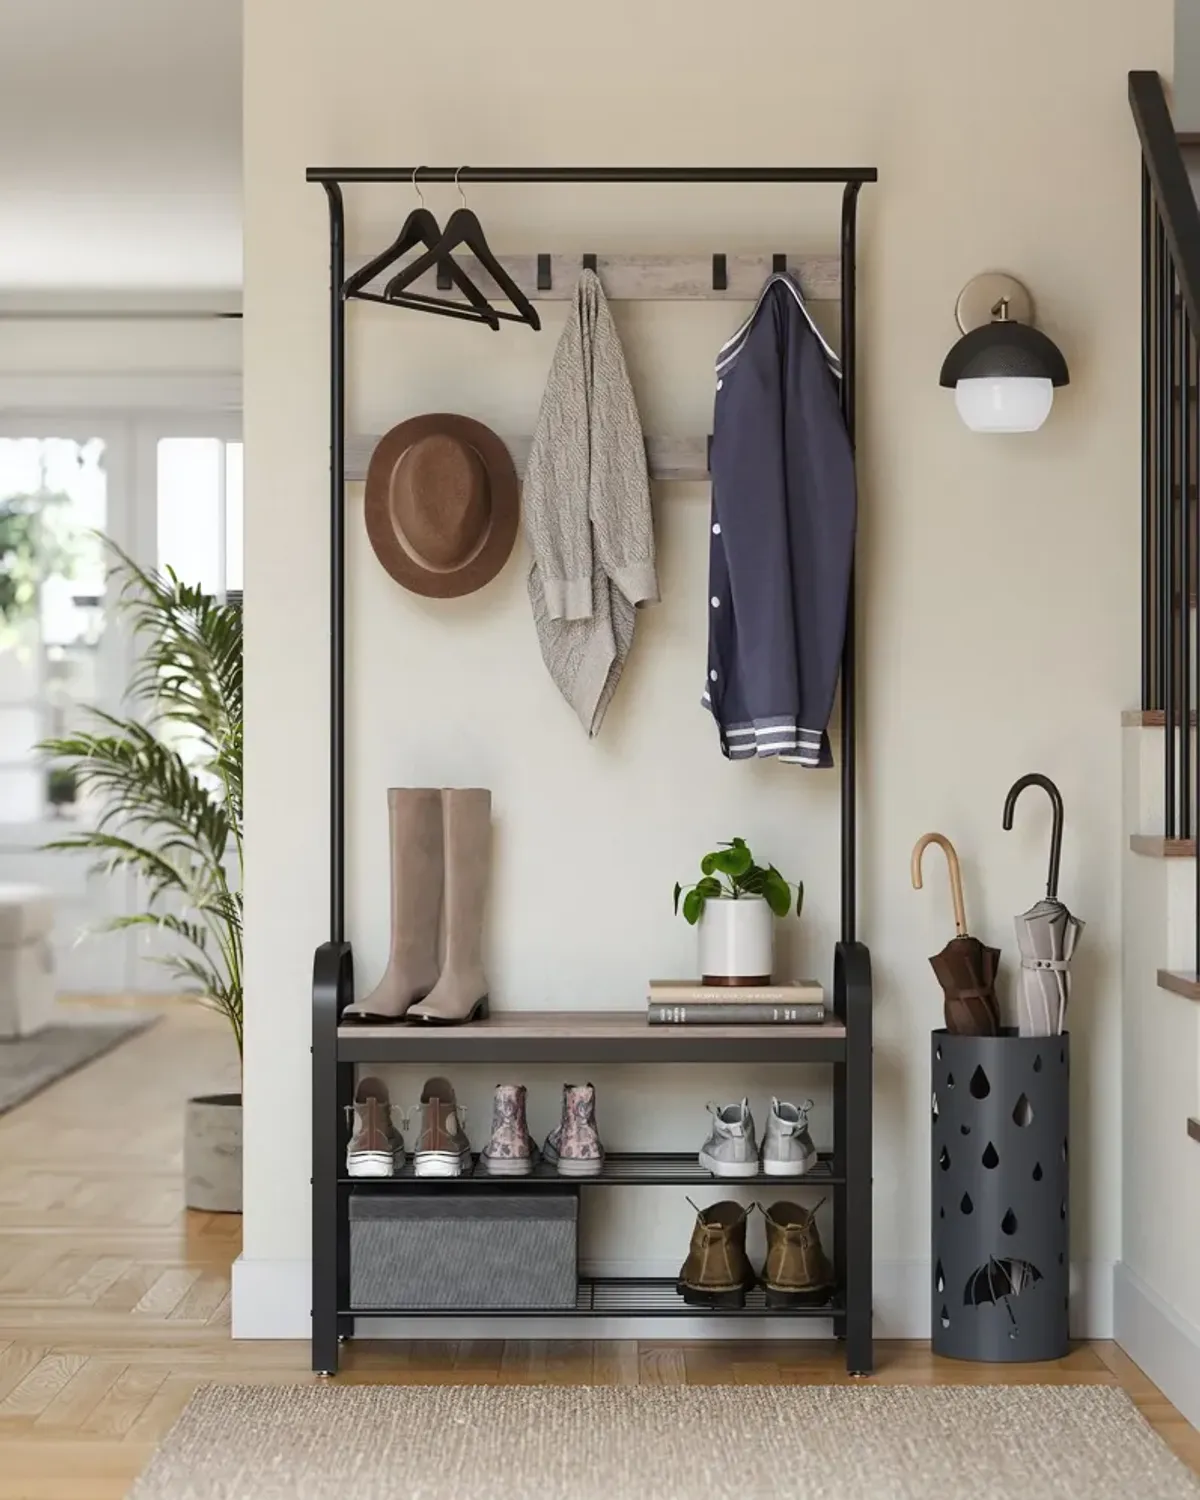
x: 782, y: 543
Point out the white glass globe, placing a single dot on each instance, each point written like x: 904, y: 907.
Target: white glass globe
x: 1007, y: 403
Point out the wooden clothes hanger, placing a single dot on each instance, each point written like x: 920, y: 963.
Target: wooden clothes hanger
x: 421, y: 228
x: 463, y: 228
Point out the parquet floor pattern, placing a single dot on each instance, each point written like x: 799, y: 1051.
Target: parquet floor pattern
x: 114, y: 1302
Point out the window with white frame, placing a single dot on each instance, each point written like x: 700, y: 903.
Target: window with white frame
x: 168, y: 491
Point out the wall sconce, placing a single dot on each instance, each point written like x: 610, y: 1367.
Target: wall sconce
x: 1002, y: 369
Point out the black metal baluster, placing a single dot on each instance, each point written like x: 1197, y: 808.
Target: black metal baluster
x: 1183, y: 415
x: 1148, y: 644
x: 1167, y: 572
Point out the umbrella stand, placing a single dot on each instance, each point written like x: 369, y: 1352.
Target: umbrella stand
x: 965, y: 968
x: 1000, y: 1197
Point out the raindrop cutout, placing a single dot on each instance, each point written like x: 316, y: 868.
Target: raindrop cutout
x: 941, y: 1213
x: 939, y: 1277
x: 1060, y: 1257
x: 1009, y: 1222
x: 937, y: 1052
x: 935, y: 1109
x: 944, y: 1160
x: 990, y: 1158
x: 1023, y: 1112
x: 980, y: 1087
x: 1037, y: 1172
x: 1064, y: 1149
x: 1062, y: 1209
x: 949, y: 1080
x: 1037, y: 1063
x: 966, y: 1205
x: 945, y: 1316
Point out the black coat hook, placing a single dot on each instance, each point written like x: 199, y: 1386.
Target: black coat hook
x: 1056, y: 802
x: 720, y: 274
x: 779, y: 265
x: 589, y: 262
x: 543, y: 273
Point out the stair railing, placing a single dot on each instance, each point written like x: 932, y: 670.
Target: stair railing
x: 1170, y: 232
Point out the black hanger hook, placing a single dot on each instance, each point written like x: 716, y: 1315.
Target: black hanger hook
x: 1036, y: 779
x: 461, y: 195
x: 417, y: 185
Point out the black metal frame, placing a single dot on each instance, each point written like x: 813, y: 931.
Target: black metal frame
x: 1170, y: 245
x: 335, y: 1054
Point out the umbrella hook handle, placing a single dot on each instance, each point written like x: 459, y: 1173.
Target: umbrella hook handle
x: 1036, y: 779
x: 956, y: 889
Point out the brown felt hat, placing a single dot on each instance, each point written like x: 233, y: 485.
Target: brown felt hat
x: 442, y: 504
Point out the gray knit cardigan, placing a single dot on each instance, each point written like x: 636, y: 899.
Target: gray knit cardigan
x: 586, y: 505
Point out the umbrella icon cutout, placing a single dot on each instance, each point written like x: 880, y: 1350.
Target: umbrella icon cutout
x: 999, y: 1281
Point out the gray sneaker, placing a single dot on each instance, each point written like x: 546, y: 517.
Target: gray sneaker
x: 731, y: 1150
x: 788, y: 1149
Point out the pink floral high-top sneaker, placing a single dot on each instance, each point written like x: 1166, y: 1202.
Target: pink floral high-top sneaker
x: 510, y: 1152
x: 574, y: 1148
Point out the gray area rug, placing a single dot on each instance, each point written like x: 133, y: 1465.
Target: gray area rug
x: 877, y: 1442
x: 28, y: 1064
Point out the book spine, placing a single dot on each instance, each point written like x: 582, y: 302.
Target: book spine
x: 705, y: 995
x: 735, y: 1013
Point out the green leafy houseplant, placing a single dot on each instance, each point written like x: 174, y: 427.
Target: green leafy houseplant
x: 168, y: 780
x: 730, y: 873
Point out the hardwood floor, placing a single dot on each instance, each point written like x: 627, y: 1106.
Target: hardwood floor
x: 114, y: 1302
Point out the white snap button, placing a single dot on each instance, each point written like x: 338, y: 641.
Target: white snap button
x: 715, y: 602
x: 717, y: 529
x: 712, y: 676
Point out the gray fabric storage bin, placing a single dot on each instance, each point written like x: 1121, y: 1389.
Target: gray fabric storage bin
x: 1000, y: 1199
x: 468, y: 1250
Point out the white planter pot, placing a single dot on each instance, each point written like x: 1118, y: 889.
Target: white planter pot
x: 212, y: 1154
x: 736, y: 941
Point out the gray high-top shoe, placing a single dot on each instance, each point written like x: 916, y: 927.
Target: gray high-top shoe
x: 731, y: 1150
x: 788, y: 1149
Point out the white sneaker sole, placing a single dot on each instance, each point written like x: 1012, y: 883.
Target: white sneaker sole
x: 799, y: 1168
x: 569, y: 1166
x: 506, y: 1166
x: 372, y: 1164
x: 728, y: 1168
x: 438, y: 1164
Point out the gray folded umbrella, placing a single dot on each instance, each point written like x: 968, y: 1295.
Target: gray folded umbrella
x: 1047, y: 934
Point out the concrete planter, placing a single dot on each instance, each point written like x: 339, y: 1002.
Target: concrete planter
x: 212, y: 1153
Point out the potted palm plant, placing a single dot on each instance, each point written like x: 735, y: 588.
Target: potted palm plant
x: 733, y: 905
x: 167, y: 785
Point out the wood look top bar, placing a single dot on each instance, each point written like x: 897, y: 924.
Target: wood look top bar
x: 588, y: 1036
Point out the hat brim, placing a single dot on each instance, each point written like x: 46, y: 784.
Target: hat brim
x: 503, y: 496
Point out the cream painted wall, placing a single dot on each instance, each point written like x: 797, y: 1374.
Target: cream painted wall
x: 999, y: 576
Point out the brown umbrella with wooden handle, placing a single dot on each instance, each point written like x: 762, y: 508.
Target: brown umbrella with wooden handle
x: 965, y: 968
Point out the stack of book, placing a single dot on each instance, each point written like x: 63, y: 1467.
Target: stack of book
x: 687, y: 1002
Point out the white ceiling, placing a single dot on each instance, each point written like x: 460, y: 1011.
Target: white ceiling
x: 120, y: 144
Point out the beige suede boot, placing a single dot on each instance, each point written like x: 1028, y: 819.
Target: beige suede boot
x: 415, y: 826
x: 461, y: 993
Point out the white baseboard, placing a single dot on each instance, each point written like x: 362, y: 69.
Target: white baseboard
x: 271, y: 1300
x: 1166, y: 1346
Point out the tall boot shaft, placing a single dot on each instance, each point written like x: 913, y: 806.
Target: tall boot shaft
x: 461, y: 992
x: 417, y: 877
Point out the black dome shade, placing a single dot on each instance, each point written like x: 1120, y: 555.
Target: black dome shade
x: 1005, y: 348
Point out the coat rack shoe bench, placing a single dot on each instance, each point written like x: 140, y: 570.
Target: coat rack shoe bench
x: 586, y: 1039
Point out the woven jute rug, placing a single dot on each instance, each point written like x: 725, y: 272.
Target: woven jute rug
x: 479, y: 1442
